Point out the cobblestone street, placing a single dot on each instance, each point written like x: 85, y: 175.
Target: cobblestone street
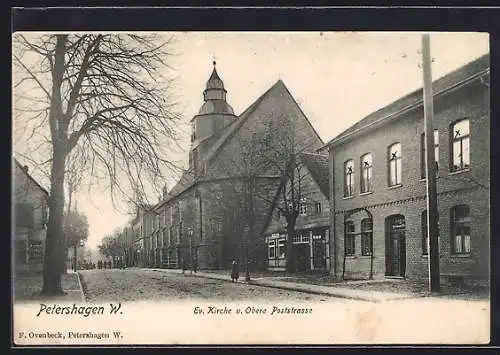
x: 139, y: 284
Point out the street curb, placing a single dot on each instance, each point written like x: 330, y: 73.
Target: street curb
x: 81, y: 287
x: 284, y: 287
x: 314, y: 292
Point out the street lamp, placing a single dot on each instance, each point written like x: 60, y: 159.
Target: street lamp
x: 190, y: 234
x: 247, y: 269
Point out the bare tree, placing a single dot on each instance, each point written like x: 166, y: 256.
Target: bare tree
x: 102, y: 97
x: 284, y: 159
x: 273, y: 155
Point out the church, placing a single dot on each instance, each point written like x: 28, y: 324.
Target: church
x: 220, y: 207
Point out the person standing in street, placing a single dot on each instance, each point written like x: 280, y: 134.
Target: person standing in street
x: 235, y: 273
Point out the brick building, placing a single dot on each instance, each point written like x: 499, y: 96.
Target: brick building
x: 222, y: 203
x: 378, y: 187
x: 30, y: 217
x: 311, y: 243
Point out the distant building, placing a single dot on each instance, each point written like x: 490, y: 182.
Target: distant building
x: 30, y: 202
x: 378, y: 185
x: 311, y: 243
x: 221, y: 205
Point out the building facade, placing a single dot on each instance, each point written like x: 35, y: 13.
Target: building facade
x: 311, y: 240
x: 219, y: 208
x: 378, y: 184
x: 30, y: 218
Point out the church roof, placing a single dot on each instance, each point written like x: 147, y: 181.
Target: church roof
x: 317, y: 164
x: 413, y: 99
x: 215, y: 107
x: 279, y: 88
x: 215, y: 82
x: 215, y: 75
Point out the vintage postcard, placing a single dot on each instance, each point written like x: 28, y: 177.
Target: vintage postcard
x: 250, y: 188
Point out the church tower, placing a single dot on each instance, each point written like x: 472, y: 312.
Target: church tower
x: 214, y: 115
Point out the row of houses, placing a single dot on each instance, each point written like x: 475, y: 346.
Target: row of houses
x: 360, y: 198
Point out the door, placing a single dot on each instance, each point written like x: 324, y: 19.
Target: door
x: 319, y: 254
x: 302, y: 256
x: 396, y: 243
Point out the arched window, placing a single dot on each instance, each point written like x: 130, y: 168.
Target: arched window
x: 460, y: 229
x: 349, y: 178
x: 366, y: 173
x: 349, y: 238
x: 394, y: 162
x: 460, y: 145
x: 366, y: 236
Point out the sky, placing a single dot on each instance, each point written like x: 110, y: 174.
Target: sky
x: 337, y: 78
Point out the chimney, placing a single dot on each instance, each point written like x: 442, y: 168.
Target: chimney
x: 165, y: 192
x: 25, y: 169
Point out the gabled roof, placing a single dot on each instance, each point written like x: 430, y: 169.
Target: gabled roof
x: 317, y: 164
x: 276, y: 89
x: 467, y: 72
x: 21, y: 167
x: 187, y: 179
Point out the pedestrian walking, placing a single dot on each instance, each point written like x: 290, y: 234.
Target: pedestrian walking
x: 184, y: 266
x: 195, y: 266
x: 235, y: 273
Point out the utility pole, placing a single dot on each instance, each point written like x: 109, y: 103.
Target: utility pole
x: 430, y: 173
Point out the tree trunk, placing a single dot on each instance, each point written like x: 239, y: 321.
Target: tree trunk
x: 54, y: 247
x: 58, y: 129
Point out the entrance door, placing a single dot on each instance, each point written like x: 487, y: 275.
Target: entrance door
x: 396, y: 246
x: 302, y: 256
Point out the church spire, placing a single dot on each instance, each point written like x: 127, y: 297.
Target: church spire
x: 215, y: 86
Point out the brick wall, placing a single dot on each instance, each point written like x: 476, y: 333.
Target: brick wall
x: 469, y: 187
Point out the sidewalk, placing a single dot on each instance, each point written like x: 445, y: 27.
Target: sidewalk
x: 341, y: 292
x: 27, y: 288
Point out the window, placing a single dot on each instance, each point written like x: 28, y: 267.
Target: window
x: 281, y: 248
x: 423, y: 157
x: 24, y: 214
x: 215, y: 225
x: 301, y: 237
x: 366, y: 173
x: 193, y: 131
x: 460, y: 134
x: 171, y: 234
x: 272, y: 249
x: 302, y: 207
x: 349, y: 239
x: 166, y: 236
x: 460, y: 220
x: 394, y: 164
x: 317, y: 207
x: 36, y: 252
x: 366, y: 236
x: 45, y: 213
x: 179, y: 232
x: 348, y: 178
x: 21, y: 251
x: 156, y: 222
